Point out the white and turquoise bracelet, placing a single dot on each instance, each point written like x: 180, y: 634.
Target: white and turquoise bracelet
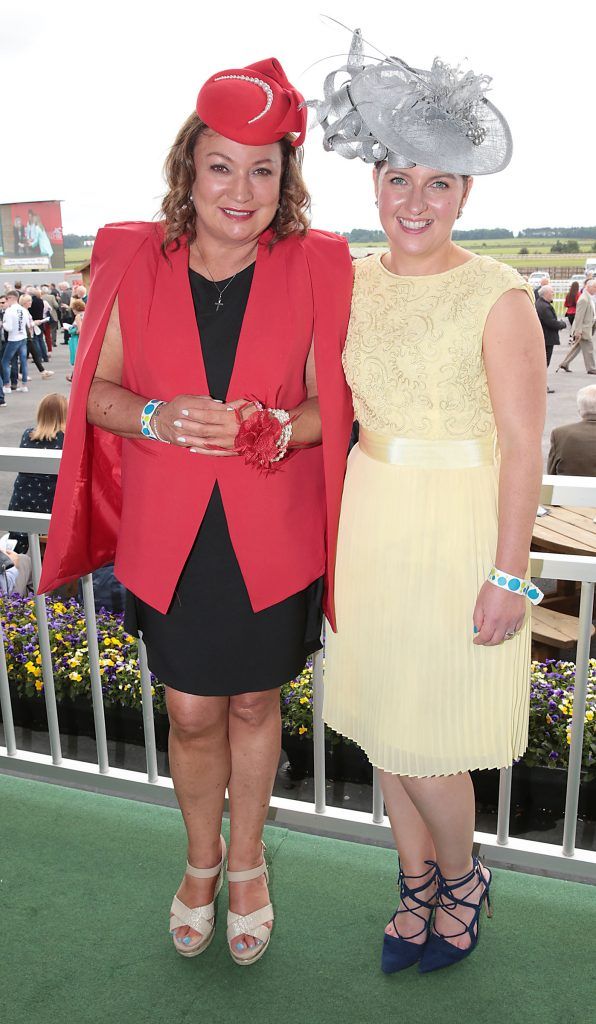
x: 525, y: 588
x: 147, y: 429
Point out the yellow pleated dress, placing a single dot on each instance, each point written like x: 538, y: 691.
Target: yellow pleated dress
x: 418, y: 532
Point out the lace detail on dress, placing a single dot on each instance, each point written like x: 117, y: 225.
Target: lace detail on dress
x: 413, y: 355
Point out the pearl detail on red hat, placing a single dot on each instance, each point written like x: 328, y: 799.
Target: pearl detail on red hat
x: 256, y: 81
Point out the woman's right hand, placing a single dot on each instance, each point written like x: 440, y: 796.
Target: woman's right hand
x: 200, y: 423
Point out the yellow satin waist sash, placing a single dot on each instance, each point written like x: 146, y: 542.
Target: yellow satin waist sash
x: 422, y: 454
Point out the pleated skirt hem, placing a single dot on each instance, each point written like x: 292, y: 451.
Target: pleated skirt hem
x: 479, y: 762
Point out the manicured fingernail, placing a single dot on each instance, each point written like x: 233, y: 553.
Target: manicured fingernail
x: 184, y: 412
x: 476, y: 630
x: 177, y: 423
x: 240, y: 946
x: 195, y: 450
x: 181, y: 439
x: 218, y: 400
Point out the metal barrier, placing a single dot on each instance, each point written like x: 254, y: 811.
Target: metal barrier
x: 318, y: 816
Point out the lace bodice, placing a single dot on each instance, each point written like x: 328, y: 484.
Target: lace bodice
x: 413, y: 355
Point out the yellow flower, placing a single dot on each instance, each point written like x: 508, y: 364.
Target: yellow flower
x: 302, y: 730
x: 589, y: 716
x: 129, y: 639
x: 59, y: 608
x: 107, y: 641
x: 304, y: 700
x: 564, y: 709
x: 115, y: 642
x: 293, y: 685
x: 38, y: 659
x: 74, y: 662
x: 38, y: 685
x: 58, y: 636
x: 76, y: 676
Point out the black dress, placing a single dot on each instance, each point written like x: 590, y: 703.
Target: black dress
x: 33, y: 492
x: 210, y: 642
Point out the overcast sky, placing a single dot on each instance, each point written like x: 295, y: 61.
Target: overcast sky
x: 93, y: 95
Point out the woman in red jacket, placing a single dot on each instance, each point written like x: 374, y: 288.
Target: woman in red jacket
x: 209, y: 407
x: 570, y: 302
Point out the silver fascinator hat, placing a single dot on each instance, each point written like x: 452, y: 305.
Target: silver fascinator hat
x: 380, y: 108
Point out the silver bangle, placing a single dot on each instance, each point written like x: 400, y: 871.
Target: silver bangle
x: 153, y: 424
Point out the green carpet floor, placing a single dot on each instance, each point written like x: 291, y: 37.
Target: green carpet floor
x: 85, y: 887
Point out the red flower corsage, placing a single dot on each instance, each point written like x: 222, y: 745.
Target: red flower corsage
x: 263, y: 437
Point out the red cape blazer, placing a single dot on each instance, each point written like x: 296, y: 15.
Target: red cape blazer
x: 125, y: 500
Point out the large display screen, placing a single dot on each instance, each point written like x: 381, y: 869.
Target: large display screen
x: 31, y: 236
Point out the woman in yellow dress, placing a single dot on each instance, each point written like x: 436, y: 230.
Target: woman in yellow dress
x: 429, y: 669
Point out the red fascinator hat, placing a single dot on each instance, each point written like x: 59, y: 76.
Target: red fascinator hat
x: 256, y: 105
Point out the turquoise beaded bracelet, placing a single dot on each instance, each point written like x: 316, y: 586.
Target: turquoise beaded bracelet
x: 146, y: 416
x: 525, y: 588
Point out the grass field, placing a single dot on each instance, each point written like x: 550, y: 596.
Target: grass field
x: 75, y: 257
x: 506, y: 249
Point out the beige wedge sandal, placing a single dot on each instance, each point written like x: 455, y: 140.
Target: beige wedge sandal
x: 251, y: 924
x: 201, y: 919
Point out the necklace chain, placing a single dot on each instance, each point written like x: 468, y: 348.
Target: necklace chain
x: 219, y: 303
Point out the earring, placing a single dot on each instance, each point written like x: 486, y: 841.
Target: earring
x: 377, y: 203
x: 460, y: 213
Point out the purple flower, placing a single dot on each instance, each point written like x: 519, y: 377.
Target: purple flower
x: 553, y: 755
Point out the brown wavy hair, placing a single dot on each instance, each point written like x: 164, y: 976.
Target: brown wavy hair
x: 179, y: 171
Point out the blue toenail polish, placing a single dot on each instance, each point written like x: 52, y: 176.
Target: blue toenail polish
x: 476, y: 630
x: 240, y: 946
x: 186, y: 940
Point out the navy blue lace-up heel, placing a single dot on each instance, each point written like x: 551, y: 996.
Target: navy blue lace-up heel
x: 438, y: 951
x: 399, y: 953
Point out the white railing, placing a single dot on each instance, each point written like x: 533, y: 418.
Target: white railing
x: 318, y: 816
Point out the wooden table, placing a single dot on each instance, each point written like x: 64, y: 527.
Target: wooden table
x: 565, y: 531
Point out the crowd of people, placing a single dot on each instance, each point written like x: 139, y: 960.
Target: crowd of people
x: 30, y: 318
x: 580, y: 317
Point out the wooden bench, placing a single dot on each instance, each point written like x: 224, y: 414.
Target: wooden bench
x: 553, y: 629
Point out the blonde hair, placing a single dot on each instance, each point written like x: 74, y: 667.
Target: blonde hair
x: 25, y: 300
x: 51, y: 417
x: 179, y: 170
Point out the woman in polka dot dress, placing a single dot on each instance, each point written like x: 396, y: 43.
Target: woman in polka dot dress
x: 34, y: 492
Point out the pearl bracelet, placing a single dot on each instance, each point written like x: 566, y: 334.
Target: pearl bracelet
x: 515, y: 585
x: 282, y: 416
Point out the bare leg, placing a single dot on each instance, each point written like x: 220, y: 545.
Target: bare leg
x: 414, y: 846
x: 255, y: 741
x: 200, y: 764
x: 446, y: 805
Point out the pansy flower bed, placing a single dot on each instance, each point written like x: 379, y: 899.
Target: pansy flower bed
x: 118, y: 657
x: 551, y: 701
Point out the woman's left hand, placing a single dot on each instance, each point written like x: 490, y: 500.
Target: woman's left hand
x: 497, y: 613
x: 219, y: 427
